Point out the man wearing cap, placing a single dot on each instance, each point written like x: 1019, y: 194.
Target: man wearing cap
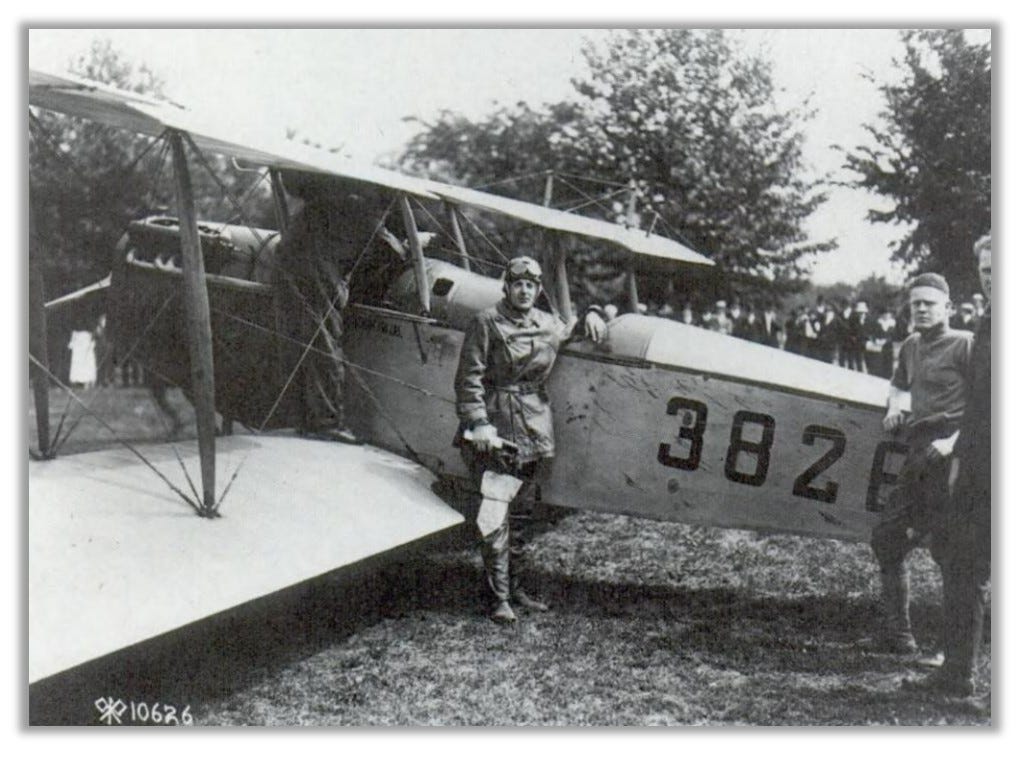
x: 506, y: 430
x: 966, y: 540
x: 934, y: 366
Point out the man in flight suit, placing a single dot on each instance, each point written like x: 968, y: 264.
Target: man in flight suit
x: 934, y: 365
x: 509, y: 350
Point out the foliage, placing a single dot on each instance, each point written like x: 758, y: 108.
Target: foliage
x: 876, y: 291
x: 87, y: 181
x: 687, y: 118
x: 931, y: 156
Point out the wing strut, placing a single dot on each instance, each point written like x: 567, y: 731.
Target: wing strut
x: 279, y: 196
x: 559, y: 258
x: 630, y: 271
x: 420, y: 275
x: 455, y: 227
x: 37, y: 344
x: 198, y: 321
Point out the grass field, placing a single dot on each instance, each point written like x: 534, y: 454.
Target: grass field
x: 652, y: 624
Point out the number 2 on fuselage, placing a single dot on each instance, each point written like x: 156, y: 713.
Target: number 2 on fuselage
x: 753, y: 433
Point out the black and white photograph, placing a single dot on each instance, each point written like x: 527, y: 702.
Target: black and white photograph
x: 578, y: 376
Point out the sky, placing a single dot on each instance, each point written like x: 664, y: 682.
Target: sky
x: 363, y: 83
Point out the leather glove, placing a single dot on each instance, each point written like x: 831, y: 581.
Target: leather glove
x: 483, y: 437
x: 596, y: 327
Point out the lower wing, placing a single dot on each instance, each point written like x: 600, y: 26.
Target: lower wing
x: 116, y: 557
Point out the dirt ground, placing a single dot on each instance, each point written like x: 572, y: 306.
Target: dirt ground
x: 651, y: 624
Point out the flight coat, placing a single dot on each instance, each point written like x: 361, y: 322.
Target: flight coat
x: 501, y: 378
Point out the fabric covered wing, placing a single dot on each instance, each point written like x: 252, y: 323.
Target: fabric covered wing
x: 136, y: 113
x: 115, y: 557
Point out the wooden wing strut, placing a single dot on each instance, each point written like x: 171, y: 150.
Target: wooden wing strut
x: 198, y: 321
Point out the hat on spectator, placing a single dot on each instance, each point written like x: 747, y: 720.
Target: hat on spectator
x: 930, y: 280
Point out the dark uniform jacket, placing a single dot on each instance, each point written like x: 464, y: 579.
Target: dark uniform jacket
x: 830, y: 335
x: 505, y: 362
x: 972, y: 492
x: 935, y: 367
x: 767, y: 330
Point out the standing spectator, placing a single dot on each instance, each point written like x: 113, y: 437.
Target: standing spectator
x: 83, y: 359
x: 904, y: 324
x: 829, y: 336
x: 811, y: 335
x: 934, y: 366
x: 816, y: 318
x: 966, y: 318
x: 980, y: 305
x: 104, y: 354
x: 720, y: 321
x: 768, y: 330
x: 884, y: 336
x: 847, y: 337
x: 735, y: 312
x: 818, y: 315
x: 745, y: 325
x: 966, y: 562
x: 859, y: 332
x: 796, y: 332
x: 687, y: 314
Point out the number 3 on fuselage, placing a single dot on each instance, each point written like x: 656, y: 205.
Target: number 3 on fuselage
x: 691, y: 435
x: 706, y: 429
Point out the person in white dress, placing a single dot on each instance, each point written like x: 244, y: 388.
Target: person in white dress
x: 83, y: 359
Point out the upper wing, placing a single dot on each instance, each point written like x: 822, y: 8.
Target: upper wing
x: 116, y: 558
x: 136, y: 113
x: 634, y: 240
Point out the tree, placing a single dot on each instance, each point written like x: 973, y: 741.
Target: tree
x: 931, y: 155
x: 88, y: 181
x: 685, y: 117
x: 80, y: 193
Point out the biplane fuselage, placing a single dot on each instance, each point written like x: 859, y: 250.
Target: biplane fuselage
x: 664, y: 420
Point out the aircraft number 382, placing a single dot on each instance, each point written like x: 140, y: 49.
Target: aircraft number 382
x: 815, y: 482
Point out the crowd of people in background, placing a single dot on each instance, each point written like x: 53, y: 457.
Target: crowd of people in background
x: 845, y: 334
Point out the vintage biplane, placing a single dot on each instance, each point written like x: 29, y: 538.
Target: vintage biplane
x: 664, y: 421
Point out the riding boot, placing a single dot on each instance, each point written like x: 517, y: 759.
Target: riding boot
x: 522, y: 599
x: 496, y: 557
x: 498, y: 489
x: 519, y: 595
x: 897, y: 637
x: 965, y: 624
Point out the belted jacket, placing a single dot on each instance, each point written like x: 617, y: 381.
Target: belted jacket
x: 501, y: 379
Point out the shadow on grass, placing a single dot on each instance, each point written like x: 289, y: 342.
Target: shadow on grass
x: 215, y: 657
x: 721, y: 627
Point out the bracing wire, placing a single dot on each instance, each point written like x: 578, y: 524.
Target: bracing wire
x: 110, y: 351
x: 199, y: 509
